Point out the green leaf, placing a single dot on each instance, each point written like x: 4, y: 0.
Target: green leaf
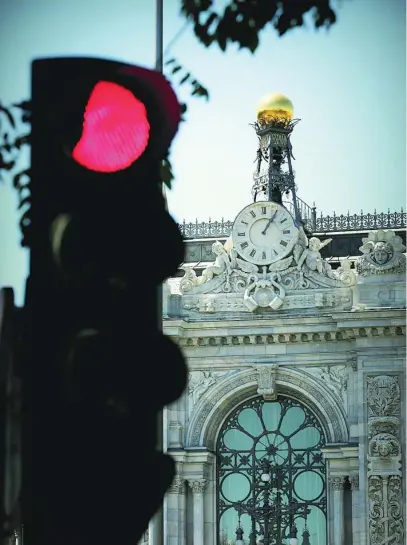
x: 9, y: 116
x: 18, y: 182
x: 5, y: 165
x: 26, y: 200
x: 25, y: 105
x: 21, y: 140
x: 166, y: 173
x: 254, y: 43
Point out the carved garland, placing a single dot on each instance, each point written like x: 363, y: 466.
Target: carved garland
x: 384, y: 461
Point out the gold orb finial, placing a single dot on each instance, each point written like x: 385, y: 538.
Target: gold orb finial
x: 275, y: 107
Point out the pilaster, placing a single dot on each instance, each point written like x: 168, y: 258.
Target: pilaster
x: 175, y: 519
x: 337, y: 485
x: 384, y: 460
x: 198, y: 487
x: 342, y: 465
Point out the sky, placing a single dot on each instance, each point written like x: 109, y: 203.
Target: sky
x: 347, y: 84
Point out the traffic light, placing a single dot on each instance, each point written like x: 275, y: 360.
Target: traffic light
x: 95, y: 368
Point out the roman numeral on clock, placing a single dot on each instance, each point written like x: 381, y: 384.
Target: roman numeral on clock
x: 252, y: 253
x: 263, y: 255
x: 244, y: 245
x: 241, y: 234
x: 263, y: 210
x: 283, y: 220
x: 252, y: 213
x: 283, y: 243
x: 244, y: 222
x: 286, y: 232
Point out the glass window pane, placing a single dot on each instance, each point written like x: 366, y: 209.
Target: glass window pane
x: 270, y: 471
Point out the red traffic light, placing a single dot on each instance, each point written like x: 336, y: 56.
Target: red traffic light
x: 115, y: 130
x: 104, y: 114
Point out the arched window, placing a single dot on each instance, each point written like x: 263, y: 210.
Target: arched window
x: 271, y: 474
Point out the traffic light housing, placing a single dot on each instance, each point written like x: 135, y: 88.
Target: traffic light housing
x: 96, y: 370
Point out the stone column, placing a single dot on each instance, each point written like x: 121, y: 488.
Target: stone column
x: 175, y: 516
x: 338, y: 487
x: 198, y: 488
x: 354, y: 486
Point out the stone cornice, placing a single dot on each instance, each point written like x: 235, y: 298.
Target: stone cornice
x: 346, y: 334
x: 333, y: 328
x: 304, y: 360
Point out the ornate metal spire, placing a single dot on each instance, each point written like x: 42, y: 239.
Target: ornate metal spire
x: 274, y: 174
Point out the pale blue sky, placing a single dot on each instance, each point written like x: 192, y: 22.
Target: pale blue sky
x: 348, y: 86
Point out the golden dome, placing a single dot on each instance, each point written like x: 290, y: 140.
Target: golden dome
x: 275, y: 107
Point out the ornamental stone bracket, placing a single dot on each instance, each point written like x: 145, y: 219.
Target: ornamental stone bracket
x: 384, y: 471
x: 266, y: 378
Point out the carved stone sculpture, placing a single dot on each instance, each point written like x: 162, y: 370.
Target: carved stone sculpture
x: 266, y: 288
x: 383, y: 395
x: 335, y: 377
x: 311, y: 257
x: 199, y: 382
x: 384, y: 445
x: 382, y: 254
x: 226, y: 264
x: 264, y: 291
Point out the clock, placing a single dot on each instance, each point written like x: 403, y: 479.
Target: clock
x: 264, y: 232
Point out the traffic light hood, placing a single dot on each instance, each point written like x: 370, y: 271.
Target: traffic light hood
x: 93, y: 103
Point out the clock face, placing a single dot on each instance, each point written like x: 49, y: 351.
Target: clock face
x: 264, y: 232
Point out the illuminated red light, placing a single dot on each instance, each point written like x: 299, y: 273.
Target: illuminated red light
x: 115, y: 129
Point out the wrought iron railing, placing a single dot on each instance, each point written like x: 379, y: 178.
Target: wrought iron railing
x: 316, y: 224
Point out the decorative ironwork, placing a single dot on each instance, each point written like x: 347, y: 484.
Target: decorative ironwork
x: 316, y: 224
x: 281, y: 439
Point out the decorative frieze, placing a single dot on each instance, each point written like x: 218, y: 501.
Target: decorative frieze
x: 384, y: 460
x: 216, y: 303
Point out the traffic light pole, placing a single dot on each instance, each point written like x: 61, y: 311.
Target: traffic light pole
x: 156, y: 525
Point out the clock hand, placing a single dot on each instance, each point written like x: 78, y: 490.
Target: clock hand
x: 268, y: 223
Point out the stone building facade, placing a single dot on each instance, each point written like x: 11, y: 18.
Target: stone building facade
x: 300, y: 367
